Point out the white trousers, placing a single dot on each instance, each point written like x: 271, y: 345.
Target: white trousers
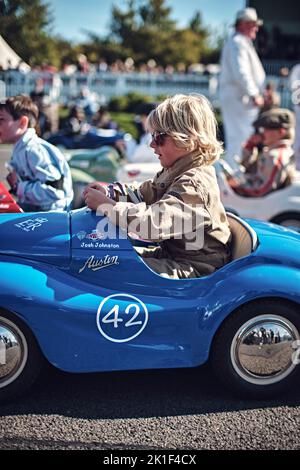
x: 237, y: 120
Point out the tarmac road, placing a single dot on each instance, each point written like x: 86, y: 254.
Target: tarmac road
x: 170, y: 409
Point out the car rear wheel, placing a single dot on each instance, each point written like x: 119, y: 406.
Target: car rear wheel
x: 256, y: 351
x: 20, y: 357
x: 288, y: 219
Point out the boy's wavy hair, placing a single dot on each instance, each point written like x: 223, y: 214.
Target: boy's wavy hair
x: 21, y: 105
x: 190, y: 121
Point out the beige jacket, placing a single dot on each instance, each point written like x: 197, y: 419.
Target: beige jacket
x: 180, y: 209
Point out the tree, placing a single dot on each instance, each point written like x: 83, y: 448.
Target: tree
x: 146, y: 31
x: 123, y: 23
x: 26, y: 26
x: 196, y: 24
x: 139, y: 25
x: 155, y: 15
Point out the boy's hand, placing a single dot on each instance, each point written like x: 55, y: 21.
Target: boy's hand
x: 94, y: 185
x: 95, y: 198
x: 12, y: 180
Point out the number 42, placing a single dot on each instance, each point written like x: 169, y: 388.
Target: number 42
x: 115, y: 311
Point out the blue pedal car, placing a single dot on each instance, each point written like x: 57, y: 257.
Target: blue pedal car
x: 75, y: 292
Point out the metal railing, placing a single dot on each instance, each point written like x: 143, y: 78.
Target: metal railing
x: 108, y: 84
x: 64, y: 88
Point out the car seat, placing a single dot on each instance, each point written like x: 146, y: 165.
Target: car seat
x: 244, y: 239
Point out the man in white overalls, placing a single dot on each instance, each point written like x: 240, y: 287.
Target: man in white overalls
x: 241, y: 82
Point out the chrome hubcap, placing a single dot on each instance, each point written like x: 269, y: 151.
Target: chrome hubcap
x: 262, y: 349
x: 13, y: 352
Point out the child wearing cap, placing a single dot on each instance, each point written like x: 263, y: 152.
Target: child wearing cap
x: 267, y: 155
x: 181, y: 207
x: 40, y: 174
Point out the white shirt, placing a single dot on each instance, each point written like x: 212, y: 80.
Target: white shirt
x: 241, y: 68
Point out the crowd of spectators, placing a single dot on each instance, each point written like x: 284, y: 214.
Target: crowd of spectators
x: 128, y: 65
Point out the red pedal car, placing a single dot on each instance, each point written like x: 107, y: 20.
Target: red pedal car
x: 7, y: 202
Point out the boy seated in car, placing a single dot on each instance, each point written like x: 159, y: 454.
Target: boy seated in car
x: 181, y: 207
x: 39, y: 175
x: 267, y: 155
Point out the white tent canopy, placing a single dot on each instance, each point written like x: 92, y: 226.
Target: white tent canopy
x: 9, y: 58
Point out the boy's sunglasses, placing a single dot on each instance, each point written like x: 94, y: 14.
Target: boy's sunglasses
x: 159, y: 138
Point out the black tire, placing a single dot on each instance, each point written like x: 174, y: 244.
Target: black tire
x: 240, y: 362
x: 288, y: 219
x: 20, y: 357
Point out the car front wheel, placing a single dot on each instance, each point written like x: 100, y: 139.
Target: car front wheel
x: 256, y: 351
x: 20, y: 357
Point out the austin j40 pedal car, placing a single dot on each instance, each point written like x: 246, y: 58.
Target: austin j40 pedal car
x: 75, y: 292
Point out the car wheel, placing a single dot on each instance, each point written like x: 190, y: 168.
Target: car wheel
x: 255, y: 353
x: 20, y: 357
x: 288, y: 219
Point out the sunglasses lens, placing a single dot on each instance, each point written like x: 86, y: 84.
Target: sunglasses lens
x: 158, y: 138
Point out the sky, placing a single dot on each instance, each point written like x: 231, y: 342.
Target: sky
x: 71, y: 17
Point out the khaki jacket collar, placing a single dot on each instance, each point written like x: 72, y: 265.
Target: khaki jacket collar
x: 190, y: 160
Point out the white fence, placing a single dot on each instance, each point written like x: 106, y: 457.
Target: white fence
x: 63, y: 88
x: 110, y: 84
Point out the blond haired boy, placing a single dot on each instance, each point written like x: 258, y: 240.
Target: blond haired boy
x: 181, y: 207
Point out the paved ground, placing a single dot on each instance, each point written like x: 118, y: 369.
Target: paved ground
x: 183, y: 409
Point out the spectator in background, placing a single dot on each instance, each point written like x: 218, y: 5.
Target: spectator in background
x: 294, y: 82
x: 83, y: 65
x: 41, y: 99
x: 102, y: 119
x: 143, y: 152
x: 271, y: 98
x: 241, y: 82
x: 88, y: 101
x: 75, y: 122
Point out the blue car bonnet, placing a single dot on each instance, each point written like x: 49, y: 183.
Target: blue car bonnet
x: 44, y: 236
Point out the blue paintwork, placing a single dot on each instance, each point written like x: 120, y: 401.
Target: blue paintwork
x: 47, y: 263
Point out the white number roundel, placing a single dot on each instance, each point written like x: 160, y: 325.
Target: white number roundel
x: 121, y: 317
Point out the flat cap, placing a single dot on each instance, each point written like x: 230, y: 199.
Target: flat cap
x: 275, y: 118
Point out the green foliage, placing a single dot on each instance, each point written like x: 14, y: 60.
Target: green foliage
x: 141, y: 29
x: 144, y: 30
x: 149, y: 23
x: 118, y: 103
x: 128, y: 103
x: 125, y: 122
x: 25, y: 26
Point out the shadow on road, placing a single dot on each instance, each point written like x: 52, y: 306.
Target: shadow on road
x: 138, y: 394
